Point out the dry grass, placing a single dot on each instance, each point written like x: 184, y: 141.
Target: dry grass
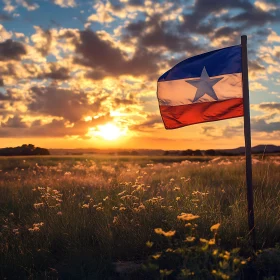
x: 74, y: 218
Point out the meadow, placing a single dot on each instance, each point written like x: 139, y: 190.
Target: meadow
x: 112, y: 217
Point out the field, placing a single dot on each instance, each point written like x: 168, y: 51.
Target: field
x: 110, y: 217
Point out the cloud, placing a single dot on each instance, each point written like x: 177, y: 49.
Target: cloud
x: 42, y: 40
x: 65, y: 3
x: 28, y: 4
x: 268, y: 106
x: 151, y: 122
x: 273, y: 37
x: 5, y: 17
x: 154, y: 33
x: 15, y: 122
x: 265, y: 6
x: 11, y: 50
x: 102, y: 15
x: 71, y: 105
x: 55, y: 72
x: 261, y: 125
x: 108, y: 60
x: 56, y: 128
x: 8, y: 6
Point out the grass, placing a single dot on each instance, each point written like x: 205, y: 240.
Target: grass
x: 88, y: 217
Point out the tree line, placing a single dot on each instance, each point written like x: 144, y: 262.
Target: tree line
x: 24, y: 150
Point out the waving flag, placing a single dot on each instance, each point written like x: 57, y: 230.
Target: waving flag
x: 203, y: 88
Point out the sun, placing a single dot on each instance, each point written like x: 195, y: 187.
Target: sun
x: 109, y: 131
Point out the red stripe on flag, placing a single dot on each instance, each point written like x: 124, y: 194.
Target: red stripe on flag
x: 183, y: 115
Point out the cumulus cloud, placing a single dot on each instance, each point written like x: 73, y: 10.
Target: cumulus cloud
x: 15, y: 122
x: 107, y: 60
x: 42, y: 40
x: 11, y: 50
x: 102, y: 15
x: 267, y: 106
x: 70, y: 105
x: 30, y: 5
x: 65, y: 3
x: 55, y: 72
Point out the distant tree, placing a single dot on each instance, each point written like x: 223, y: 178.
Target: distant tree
x: 187, y: 152
x: 197, y: 153
x: 210, y: 152
x: 24, y: 150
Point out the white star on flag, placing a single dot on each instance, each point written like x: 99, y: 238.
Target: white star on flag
x: 204, y: 85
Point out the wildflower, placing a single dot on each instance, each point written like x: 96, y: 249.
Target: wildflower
x: 38, y: 205
x: 67, y: 174
x: 157, y: 256
x: 212, y: 241
x: 59, y: 213
x: 36, y: 229
x: 176, y: 189
x: 187, y: 217
x: 149, y: 244
x: 203, y: 240
x: 165, y: 233
x: 165, y: 272
x: 178, y: 198
x: 172, y: 180
x: 122, y: 208
x: 115, y: 220
x: 106, y: 198
x: 99, y: 208
x: 141, y: 207
x: 121, y: 193
x: 190, y: 239
x: 215, y: 252
x: 215, y: 227
x: 85, y: 206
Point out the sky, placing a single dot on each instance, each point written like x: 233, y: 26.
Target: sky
x: 83, y: 74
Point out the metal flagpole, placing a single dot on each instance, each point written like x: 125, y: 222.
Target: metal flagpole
x: 247, y: 134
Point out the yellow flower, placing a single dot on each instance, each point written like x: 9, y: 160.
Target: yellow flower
x: 215, y: 252
x: 212, y: 241
x: 187, y: 217
x: 190, y: 239
x: 165, y: 233
x: 149, y: 244
x: 157, y: 256
x: 215, y: 227
x: 203, y: 240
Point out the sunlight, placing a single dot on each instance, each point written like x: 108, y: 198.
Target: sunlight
x: 109, y: 131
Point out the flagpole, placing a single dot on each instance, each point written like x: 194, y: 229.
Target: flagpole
x: 247, y: 134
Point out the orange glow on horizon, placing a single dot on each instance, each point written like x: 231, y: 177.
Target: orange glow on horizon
x: 108, y: 131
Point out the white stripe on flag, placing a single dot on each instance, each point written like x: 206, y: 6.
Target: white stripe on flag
x: 179, y: 92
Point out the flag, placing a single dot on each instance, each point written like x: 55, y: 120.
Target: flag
x: 203, y: 88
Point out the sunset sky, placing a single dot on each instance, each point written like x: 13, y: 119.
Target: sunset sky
x: 83, y: 74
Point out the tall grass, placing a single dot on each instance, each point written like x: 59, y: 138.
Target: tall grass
x: 75, y: 218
